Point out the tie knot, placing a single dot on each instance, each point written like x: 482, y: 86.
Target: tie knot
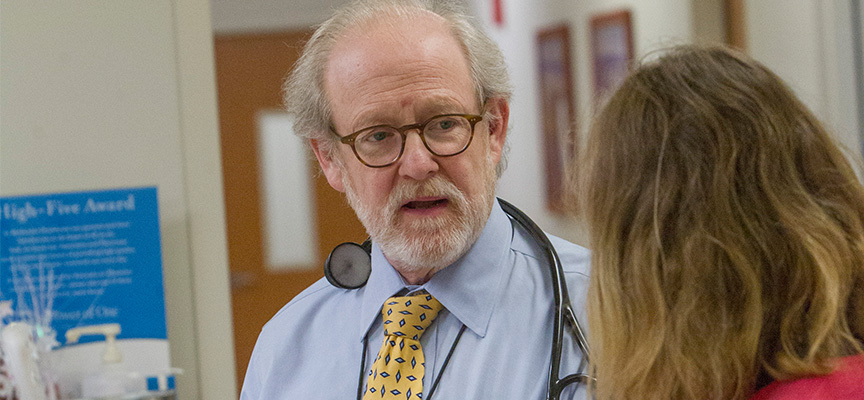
x: 409, y: 316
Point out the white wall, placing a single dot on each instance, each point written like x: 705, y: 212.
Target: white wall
x: 269, y: 15
x: 857, y: 29
x: 810, y: 46
x: 655, y: 24
x: 808, y: 43
x: 522, y: 183
x: 117, y: 93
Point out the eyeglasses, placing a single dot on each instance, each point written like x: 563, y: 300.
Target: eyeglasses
x: 382, y: 145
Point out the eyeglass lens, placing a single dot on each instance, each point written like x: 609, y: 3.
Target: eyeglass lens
x: 443, y: 136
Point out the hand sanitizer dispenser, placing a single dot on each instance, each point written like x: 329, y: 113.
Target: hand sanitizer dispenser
x: 111, y: 379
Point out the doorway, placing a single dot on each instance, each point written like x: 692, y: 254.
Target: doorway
x: 250, y: 69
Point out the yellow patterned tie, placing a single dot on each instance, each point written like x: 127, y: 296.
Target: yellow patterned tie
x: 398, y: 371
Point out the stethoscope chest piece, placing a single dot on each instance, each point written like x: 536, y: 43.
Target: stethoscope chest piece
x: 348, y: 266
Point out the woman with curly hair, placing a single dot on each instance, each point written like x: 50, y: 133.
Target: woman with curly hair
x: 727, y: 238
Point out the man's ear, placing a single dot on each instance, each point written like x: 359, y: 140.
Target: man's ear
x: 500, y: 111
x: 331, y: 167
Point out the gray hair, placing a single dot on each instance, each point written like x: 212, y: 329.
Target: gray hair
x: 304, y: 95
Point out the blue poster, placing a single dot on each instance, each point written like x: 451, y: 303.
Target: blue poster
x: 77, y: 259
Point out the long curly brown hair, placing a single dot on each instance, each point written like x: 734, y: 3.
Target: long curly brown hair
x: 727, y: 232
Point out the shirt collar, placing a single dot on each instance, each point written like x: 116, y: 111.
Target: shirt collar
x: 383, y: 283
x: 468, y: 288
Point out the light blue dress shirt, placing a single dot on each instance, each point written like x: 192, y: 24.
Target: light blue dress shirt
x: 500, y: 290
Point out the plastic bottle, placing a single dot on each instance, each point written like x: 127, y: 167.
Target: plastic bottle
x: 19, y: 353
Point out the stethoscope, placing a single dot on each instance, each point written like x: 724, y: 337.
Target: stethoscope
x: 349, y: 266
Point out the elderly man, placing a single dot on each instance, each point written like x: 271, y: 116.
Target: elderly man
x: 405, y: 105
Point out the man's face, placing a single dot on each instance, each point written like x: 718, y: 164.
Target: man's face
x: 424, y: 211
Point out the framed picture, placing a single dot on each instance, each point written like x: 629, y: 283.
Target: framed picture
x: 557, y: 109
x: 611, y: 50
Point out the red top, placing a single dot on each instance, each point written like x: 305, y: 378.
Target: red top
x: 845, y: 383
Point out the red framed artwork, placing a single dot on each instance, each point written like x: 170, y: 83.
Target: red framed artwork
x: 557, y: 109
x: 611, y: 50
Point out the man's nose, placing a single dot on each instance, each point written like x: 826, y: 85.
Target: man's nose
x: 417, y: 162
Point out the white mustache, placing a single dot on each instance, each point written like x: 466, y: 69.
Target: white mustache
x: 437, y: 186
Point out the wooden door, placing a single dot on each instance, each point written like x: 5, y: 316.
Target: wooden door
x: 250, y: 70
x: 736, y: 25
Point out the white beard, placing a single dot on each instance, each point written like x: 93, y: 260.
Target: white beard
x: 426, y: 245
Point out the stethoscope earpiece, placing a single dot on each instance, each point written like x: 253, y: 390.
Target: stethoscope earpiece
x: 348, y: 266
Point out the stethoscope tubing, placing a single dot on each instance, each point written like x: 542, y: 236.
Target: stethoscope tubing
x: 564, y: 314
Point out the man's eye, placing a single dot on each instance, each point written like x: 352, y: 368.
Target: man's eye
x: 378, y: 136
x: 446, y: 124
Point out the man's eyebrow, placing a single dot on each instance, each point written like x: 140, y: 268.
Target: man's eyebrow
x: 374, y: 119
x: 429, y: 108
x: 439, y: 106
